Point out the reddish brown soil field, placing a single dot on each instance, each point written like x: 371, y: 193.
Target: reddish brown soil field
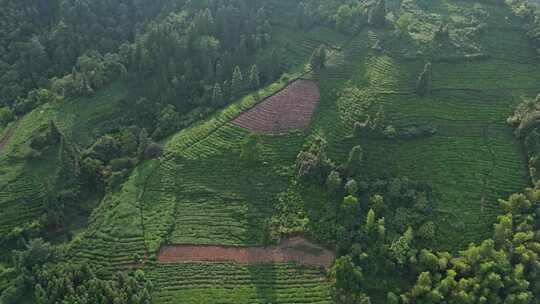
x: 287, y: 110
x: 296, y: 250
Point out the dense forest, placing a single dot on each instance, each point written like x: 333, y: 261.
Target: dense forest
x: 402, y: 137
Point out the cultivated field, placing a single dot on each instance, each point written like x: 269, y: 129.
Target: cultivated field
x: 290, y: 109
x: 294, y: 250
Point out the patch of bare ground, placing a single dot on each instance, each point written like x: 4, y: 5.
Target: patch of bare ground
x: 289, y: 109
x: 293, y: 250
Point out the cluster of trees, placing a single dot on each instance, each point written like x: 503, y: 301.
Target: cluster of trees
x: 112, y: 157
x: 40, y: 272
x: 526, y: 121
x: 206, y: 57
x: 504, y: 269
x: 43, y: 39
x: 195, y: 55
x: 530, y: 13
x: 347, y: 18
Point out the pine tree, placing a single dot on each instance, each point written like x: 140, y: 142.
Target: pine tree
x: 217, y: 96
x: 237, y: 84
x: 254, y: 80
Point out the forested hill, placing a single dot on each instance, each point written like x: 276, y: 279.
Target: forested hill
x: 269, y: 151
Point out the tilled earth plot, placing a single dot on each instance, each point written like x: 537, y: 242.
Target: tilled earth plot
x: 290, y: 109
x: 294, y: 250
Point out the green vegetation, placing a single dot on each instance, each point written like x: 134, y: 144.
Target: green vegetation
x: 419, y: 169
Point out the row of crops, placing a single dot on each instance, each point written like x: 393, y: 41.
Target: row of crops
x: 233, y: 283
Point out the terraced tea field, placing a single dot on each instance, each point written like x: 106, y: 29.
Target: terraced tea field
x: 473, y: 159
x: 196, y: 220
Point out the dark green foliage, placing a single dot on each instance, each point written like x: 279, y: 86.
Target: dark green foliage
x: 377, y: 14
x: 345, y: 17
x: 423, y: 85
x: 530, y: 15
x: 346, y: 280
x: 218, y: 98
x: 39, y: 272
x: 354, y: 163
x: 254, y: 79
x: 237, y: 83
x: 333, y: 183
x: 251, y: 149
x: 318, y: 58
x: 505, y: 270
x: 6, y: 116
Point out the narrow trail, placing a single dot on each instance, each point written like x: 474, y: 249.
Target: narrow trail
x: 293, y: 250
x: 9, y: 134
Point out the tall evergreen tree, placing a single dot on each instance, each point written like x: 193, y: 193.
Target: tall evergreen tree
x: 217, y: 96
x: 254, y: 80
x: 237, y: 84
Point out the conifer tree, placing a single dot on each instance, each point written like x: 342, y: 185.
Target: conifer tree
x: 217, y: 96
x: 237, y: 84
x: 254, y: 80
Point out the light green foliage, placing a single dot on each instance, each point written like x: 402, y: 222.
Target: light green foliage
x: 351, y: 187
x: 399, y: 250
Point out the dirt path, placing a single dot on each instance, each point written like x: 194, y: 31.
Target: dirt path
x: 5, y: 140
x: 297, y: 250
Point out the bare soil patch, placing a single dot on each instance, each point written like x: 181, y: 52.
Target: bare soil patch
x: 289, y: 109
x: 294, y: 250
